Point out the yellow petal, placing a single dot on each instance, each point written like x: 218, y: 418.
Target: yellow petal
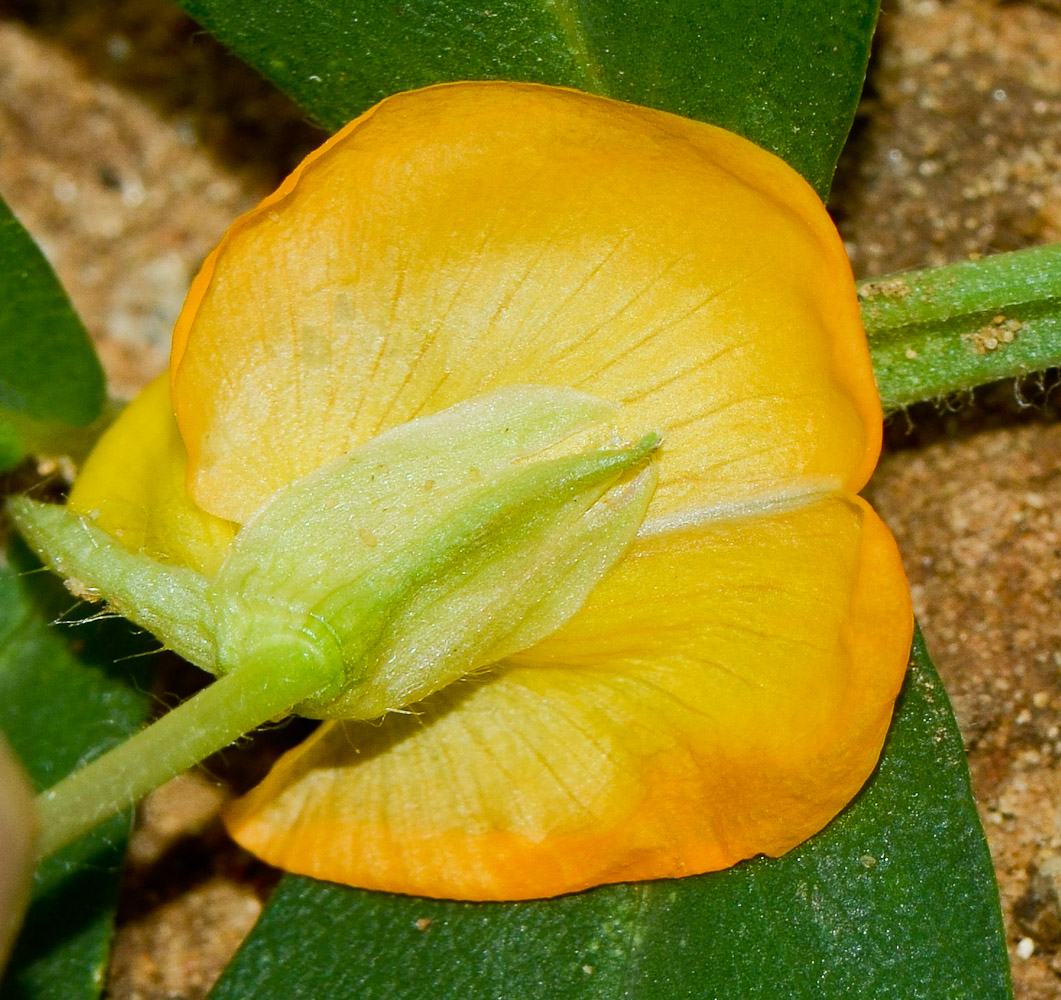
x: 725, y: 692
x: 473, y: 236
x: 132, y: 485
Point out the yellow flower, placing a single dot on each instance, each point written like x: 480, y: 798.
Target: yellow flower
x: 726, y: 687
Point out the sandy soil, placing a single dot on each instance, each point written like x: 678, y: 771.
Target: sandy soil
x: 129, y: 139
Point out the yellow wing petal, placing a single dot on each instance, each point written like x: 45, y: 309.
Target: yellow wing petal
x: 473, y: 236
x: 725, y: 692
x: 132, y: 485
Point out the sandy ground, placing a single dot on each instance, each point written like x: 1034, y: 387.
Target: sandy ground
x: 129, y: 140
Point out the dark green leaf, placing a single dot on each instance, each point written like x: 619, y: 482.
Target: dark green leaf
x: 48, y: 369
x: 62, y: 701
x: 786, y: 73
x: 49, y: 372
x: 896, y: 900
x: 11, y: 448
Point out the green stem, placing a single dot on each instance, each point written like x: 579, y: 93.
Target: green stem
x: 233, y: 705
x: 949, y: 329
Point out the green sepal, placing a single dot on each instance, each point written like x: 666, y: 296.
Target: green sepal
x: 438, y: 547
x: 169, y: 601
x: 426, y: 554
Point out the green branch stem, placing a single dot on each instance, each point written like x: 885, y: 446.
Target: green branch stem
x: 235, y: 704
x: 949, y: 329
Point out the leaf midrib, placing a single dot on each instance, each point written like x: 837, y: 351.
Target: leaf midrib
x: 573, y: 33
